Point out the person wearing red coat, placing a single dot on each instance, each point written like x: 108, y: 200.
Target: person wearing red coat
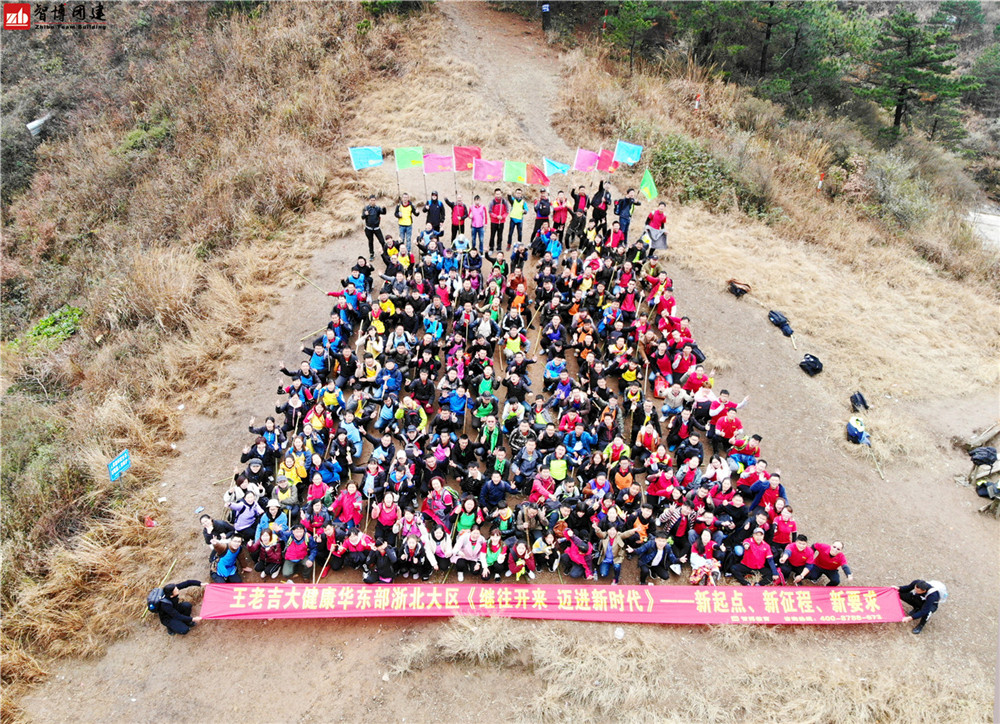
x: 346, y: 509
x: 829, y: 560
x: 757, y: 558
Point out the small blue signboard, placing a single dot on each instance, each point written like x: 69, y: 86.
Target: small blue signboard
x: 119, y: 465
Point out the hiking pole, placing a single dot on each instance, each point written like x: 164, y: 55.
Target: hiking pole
x: 309, y: 281
x: 302, y: 339
x: 165, y: 576
x: 792, y: 337
x: 877, y: 466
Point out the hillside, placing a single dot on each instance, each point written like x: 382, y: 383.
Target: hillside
x: 209, y: 184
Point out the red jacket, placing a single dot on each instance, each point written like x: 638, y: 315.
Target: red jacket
x: 499, y: 211
x: 827, y: 562
x: 755, y: 554
x: 657, y: 219
x: 581, y: 558
x: 345, y: 508
x: 798, y: 557
x: 459, y: 213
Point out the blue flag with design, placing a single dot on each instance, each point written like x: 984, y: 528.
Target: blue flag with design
x: 627, y: 153
x: 552, y: 167
x: 365, y: 156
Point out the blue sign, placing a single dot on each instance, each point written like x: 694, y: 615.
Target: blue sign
x: 119, y: 465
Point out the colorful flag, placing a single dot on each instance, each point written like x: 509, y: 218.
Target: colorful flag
x: 515, y: 172
x: 585, y: 160
x: 606, y: 162
x: 648, y: 186
x: 465, y: 155
x: 627, y: 153
x: 553, y: 167
x: 436, y: 163
x: 536, y: 176
x: 487, y: 170
x: 412, y: 157
x: 365, y: 156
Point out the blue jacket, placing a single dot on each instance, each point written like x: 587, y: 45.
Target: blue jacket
x: 760, y: 487
x: 586, y: 441
x: 281, y: 525
x: 647, y: 552
x: 492, y: 495
x: 456, y: 404
x: 227, y: 563
x: 392, y: 379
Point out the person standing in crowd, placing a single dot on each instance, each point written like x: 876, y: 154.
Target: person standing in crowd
x: 623, y: 210
x: 459, y: 213
x: 434, y: 212
x: 405, y: 214
x: 499, y: 211
x: 372, y: 216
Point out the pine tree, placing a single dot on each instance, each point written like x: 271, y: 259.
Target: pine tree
x: 909, y: 66
x: 630, y: 23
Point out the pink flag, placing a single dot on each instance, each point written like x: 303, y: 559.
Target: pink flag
x: 585, y: 160
x: 606, y: 161
x: 436, y: 163
x: 487, y: 170
x: 536, y: 176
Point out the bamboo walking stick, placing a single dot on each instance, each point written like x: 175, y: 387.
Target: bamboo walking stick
x: 310, y: 281
x: 166, y: 575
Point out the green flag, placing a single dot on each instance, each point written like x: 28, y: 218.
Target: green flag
x: 412, y: 157
x: 648, y: 186
x: 515, y: 172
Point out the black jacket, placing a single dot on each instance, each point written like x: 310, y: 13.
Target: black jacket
x: 372, y: 215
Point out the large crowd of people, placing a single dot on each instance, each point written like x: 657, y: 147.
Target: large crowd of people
x: 506, y: 403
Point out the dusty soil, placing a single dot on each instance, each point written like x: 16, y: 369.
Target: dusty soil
x: 915, y: 523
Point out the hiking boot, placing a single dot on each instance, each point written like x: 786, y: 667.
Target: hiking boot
x: 507, y: 574
x: 531, y: 575
x: 461, y: 576
x: 918, y: 628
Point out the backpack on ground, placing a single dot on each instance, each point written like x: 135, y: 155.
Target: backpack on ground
x: 780, y: 321
x: 811, y: 365
x: 983, y: 456
x: 858, y: 402
x: 940, y: 588
x: 154, y: 598
x: 737, y: 289
x: 856, y: 432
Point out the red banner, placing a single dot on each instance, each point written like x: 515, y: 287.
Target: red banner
x: 626, y: 604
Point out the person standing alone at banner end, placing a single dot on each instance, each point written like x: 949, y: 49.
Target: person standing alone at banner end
x: 923, y: 598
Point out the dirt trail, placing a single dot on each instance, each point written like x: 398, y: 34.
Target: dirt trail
x: 916, y: 523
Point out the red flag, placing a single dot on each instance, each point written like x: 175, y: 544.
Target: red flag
x: 487, y: 170
x: 536, y: 176
x: 465, y: 155
x: 606, y: 161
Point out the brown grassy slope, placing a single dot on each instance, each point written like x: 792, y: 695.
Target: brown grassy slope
x: 172, y: 250
x: 709, y: 674
x: 890, y: 310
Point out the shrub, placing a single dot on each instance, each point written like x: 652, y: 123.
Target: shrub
x: 687, y: 170
x: 17, y: 163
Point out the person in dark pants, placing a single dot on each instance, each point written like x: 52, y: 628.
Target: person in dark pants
x: 656, y: 559
x: 372, y: 216
x: 923, y: 600
x: 381, y: 564
x: 174, y: 613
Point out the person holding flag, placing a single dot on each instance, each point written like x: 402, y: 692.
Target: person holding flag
x: 499, y: 211
x: 459, y: 213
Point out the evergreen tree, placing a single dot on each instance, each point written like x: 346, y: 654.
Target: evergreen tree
x: 909, y: 67
x: 628, y: 25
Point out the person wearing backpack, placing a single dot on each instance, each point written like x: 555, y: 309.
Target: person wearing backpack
x: 923, y: 598
x: 174, y: 614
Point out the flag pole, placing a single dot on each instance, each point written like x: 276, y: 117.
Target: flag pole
x: 426, y: 195
x: 398, y: 194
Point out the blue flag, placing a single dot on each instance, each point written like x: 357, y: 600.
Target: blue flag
x: 365, y: 156
x: 551, y: 167
x: 627, y: 153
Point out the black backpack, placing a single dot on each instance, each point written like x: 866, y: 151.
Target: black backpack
x: 781, y: 321
x: 154, y: 598
x: 983, y: 456
x: 858, y: 401
x: 811, y: 365
x: 737, y: 289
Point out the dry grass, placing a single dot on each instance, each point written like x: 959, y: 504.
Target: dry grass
x: 711, y: 674
x: 888, y: 310
x: 170, y: 250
